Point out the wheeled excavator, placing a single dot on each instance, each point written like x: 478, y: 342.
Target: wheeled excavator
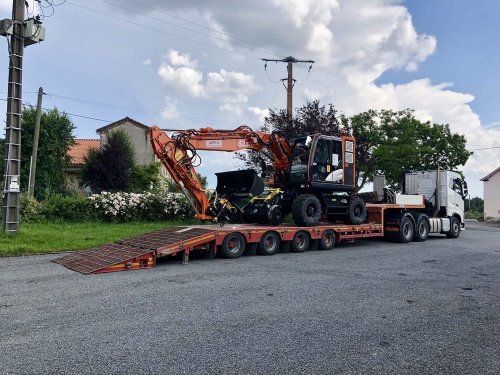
x: 314, y: 176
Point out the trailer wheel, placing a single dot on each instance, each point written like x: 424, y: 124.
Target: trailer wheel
x: 306, y: 210
x: 327, y: 240
x: 454, y: 228
x: 275, y: 215
x: 406, y: 230
x: 269, y: 243
x: 300, y: 242
x: 356, y: 211
x: 422, y: 229
x: 233, y: 245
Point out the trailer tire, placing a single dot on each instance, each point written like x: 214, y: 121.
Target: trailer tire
x: 422, y: 229
x: 356, y: 211
x: 233, y: 245
x: 454, y: 228
x: 327, y: 240
x: 406, y: 230
x: 300, y: 242
x: 269, y: 243
x: 306, y: 210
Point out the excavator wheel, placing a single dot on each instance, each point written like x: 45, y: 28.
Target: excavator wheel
x: 306, y: 210
x: 356, y: 211
x: 275, y: 215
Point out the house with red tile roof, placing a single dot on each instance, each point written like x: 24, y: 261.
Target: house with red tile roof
x: 138, y: 134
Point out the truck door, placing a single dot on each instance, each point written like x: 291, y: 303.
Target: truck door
x: 455, y: 197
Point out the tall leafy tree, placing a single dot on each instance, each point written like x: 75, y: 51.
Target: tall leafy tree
x: 56, y: 136
x: 110, y: 168
x: 393, y: 142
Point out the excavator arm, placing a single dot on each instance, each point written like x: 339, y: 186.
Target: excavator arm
x: 178, y: 153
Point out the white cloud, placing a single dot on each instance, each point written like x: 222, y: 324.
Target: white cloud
x: 147, y: 62
x: 181, y: 59
x: 259, y: 113
x: 231, y: 89
x: 182, y: 79
x: 6, y: 5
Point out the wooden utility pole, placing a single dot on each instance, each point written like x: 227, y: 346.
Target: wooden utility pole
x: 290, y: 81
x: 31, y: 187
x: 12, y: 170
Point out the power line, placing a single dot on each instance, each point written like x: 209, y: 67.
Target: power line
x: 205, y: 27
x: 163, y: 31
x: 483, y: 148
x: 256, y: 47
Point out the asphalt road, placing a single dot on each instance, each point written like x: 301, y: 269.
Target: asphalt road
x: 365, y: 307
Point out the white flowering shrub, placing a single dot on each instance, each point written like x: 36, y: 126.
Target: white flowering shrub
x: 145, y: 206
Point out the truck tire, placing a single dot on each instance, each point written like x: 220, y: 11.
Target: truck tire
x: 327, y: 240
x: 454, y: 228
x: 233, y: 245
x: 356, y: 211
x: 422, y: 229
x: 300, y: 242
x: 269, y: 243
x: 406, y: 230
x: 306, y: 210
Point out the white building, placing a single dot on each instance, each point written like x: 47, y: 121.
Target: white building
x: 492, y: 195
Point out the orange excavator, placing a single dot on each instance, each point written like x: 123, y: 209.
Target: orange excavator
x: 314, y: 176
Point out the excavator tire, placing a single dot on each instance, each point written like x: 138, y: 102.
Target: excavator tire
x: 306, y: 210
x: 356, y: 211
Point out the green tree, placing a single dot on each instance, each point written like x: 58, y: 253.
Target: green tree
x: 144, y: 177
x: 56, y: 136
x: 392, y: 142
x: 111, y: 167
x: 475, y: 204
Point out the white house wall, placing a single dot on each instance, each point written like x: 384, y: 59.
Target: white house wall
x: 492, y: 197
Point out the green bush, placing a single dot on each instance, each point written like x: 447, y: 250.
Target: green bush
x: 474, y: 215
x: 31, y: 210
x: 67, y: 208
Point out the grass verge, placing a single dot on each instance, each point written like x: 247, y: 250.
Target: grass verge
x: 42, y: 238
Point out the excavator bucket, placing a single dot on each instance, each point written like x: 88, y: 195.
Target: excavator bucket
x: 239, y: 184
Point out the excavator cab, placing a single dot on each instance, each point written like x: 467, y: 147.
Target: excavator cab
x: 324, y: 163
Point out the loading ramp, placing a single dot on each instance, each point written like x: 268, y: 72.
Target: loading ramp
x: 138, y: 252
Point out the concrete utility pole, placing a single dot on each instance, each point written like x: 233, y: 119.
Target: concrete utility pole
x: 31, y: 187
x: 10, y: 206
x: 290, y: 81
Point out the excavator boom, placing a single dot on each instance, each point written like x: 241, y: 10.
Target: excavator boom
x: 178, y: 153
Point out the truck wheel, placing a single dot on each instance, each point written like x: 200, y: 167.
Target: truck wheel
x: 454, y: 228
x: 327, y: 240
x: 300, y: 242
x: 356, y: 211
x: 422, y: 229
x: 233, y: 245
x: 269, y: 243
x: 306, y: 210
x: 406, y: 230
x: 275, y: 215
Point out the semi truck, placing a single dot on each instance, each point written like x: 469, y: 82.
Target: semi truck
x: 432, y: 202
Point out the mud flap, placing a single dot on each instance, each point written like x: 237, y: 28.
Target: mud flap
x: 239, y: 184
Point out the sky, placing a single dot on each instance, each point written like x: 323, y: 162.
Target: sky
x: 192, y: 64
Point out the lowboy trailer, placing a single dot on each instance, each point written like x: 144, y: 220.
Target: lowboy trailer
x: 401, y: 222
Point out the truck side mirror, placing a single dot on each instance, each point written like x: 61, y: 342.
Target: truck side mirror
x: 466, y: 190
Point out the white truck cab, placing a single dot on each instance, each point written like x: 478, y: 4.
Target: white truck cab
x: 448, y: 186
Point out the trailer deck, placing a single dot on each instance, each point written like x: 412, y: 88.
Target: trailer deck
x: 142, y: 251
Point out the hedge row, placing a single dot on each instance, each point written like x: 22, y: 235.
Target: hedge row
x: 116, y: 207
